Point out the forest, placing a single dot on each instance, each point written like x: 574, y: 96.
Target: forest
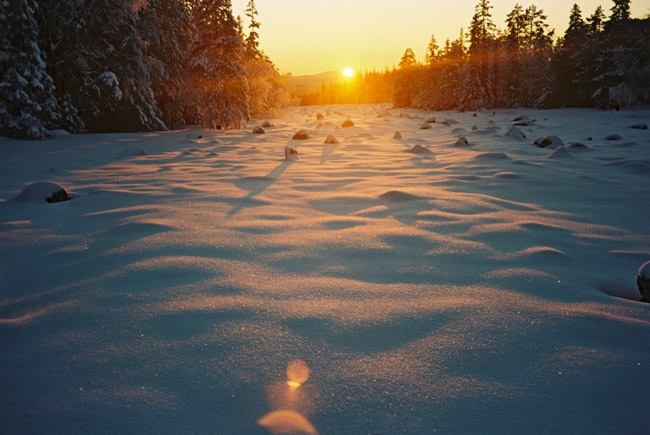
x: 141, y: 65
x: 599, y: 61
x: 136, y: 65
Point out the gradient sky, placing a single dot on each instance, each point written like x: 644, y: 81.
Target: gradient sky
x: 314, y: 36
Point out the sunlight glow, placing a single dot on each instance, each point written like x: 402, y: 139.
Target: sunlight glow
x: 297, y: 373
x: 348, y: 72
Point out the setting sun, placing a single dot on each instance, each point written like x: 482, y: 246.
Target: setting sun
x: 348, y: 72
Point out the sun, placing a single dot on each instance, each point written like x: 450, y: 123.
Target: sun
x: 348, y: 72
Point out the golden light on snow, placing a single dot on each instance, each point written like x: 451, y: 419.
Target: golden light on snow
x: 297, y: 373
x: 287, y: 422
x: 348, y: 72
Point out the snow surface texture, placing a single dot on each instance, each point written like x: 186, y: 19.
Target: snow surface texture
x: 481, y: 289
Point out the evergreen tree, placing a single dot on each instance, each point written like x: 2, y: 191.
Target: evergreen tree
x: 98, y: 65
x: 432, y: 51
x: 251, y: 44
x: 478, y: 85
x: 27, y: 104
x: 166, y: 28
x: 596, y: 22
x: 219, y: 82
x: 620, y: 11
x: 406, y: 80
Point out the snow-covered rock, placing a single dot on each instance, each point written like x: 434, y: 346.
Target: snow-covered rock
x: 462, y: 142
x: 258, y: 130
x: 347, y: 123
x: 330, y: 139
x: 43, y: 191
x: 397, y: 135
x: 290, y: 153
x: 548, y: 141
x: 419, y: 149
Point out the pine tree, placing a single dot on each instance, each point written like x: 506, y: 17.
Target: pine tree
x: 596, y: 21
x: 478, y: 85
x: 27, y: 104
x: 96, y: 58
x: 219, y: 82
x: 620, y: 11
x: 166, y: 28
x: 432, y: 51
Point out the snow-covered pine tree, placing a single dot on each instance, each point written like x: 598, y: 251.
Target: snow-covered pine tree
x: 166, y: 29
x: 27, y: 103
x: 478, y: 84
x: 97, y: 62
x: 219, y: 85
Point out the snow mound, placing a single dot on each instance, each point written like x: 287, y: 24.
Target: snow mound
x: 644, y: 270
x: 397, y: 135
x: 132, y: 152
x: 398, y: 195
x: 559, y: 153
x: 516, y: 133
x: 43, y: 191
x: 301, y: 134
x: 347, y: 123
x: 290, y: 153
x: 462, y: 142
x: 418, y: 149
x: 330, y: 139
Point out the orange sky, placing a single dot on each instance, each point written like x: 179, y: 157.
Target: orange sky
x: 313, y: 36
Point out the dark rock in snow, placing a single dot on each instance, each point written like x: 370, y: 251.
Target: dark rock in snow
x: 347, y: 123
x: 425, y: 126
x: 258, y: 130
x: 267, y: 124
x: 462, y: 142
x: 613, y: 137
x: 639, y: 126
x: 431, y: 120
x: 397, y: 135
x: 553, y: 141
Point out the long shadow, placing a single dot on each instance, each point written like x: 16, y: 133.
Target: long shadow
x: 257, y: 185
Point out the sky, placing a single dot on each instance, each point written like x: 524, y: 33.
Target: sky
x: 314, y: 36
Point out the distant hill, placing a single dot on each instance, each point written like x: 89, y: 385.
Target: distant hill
x: 309, y: 84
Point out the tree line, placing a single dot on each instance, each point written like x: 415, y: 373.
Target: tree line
x: 600, y: 61
x: 131, y: 65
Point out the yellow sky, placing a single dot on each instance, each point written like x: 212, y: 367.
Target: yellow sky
x: 313, y: 36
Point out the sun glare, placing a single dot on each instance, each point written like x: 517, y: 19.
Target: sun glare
x: 348, y: 72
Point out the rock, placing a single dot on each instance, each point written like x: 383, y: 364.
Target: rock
x: 419, y: 149
x: 330, y: 139
x: 613, y: 137
x: 397, y: 135
x: 258, y: 130
x: 643, y: 281
x: 319, y: 116
x: 267, y: 124
x: 425, y: 126
x: 290, y: 153
x: 431, y: 120
x: 474, y: 127
x: 552, y: 141
x: 462, y: 142
x: 450, y: 122
x: 301, y: 135
x: 516, y: 133
x: 639, y: 126
x: 347, y: 123
x: 522, y: 121
x: 43, y: 191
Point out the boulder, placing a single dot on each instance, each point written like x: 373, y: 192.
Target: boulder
x: 347, y: 123
x: 548, y: 141
x: 425, y: 126
x: 462, y: 142
x: 397, y: 135
x: 639, y: 126
x: 613, y: 137
x: 267, y: 124
x: 258, y: 130
x: 418, y: 149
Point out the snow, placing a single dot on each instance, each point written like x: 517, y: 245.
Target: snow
x: 644, y: 270
x: 482, y: 289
